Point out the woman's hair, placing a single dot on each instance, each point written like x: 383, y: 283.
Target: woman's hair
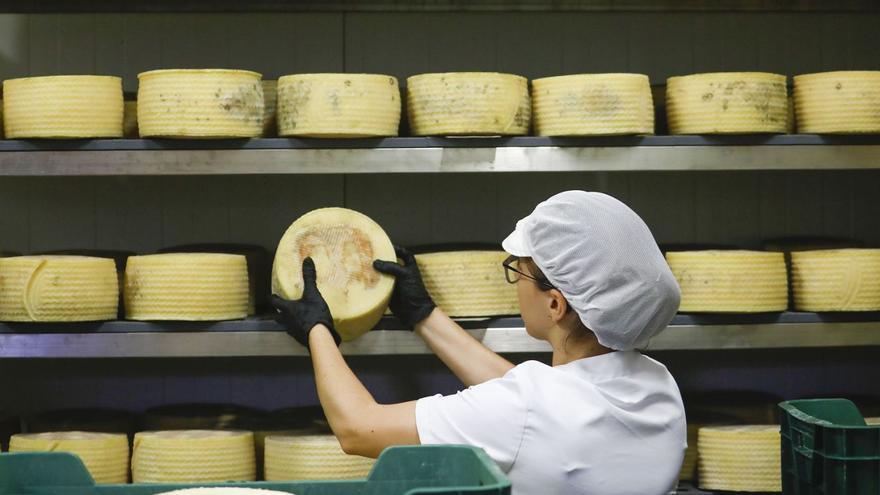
x: 578, y: 329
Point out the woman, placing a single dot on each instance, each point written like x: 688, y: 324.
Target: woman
x: 603, y: 419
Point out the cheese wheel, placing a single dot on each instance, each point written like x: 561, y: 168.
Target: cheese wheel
x: 186, y: 286
x: 872, y: 421
x: 58, y: 289
x: 730, y: 281
x: 338, y: 105
x: 200, y: 103
x: 468, y: 103
x: 270, y: 99
x: 130, y: 120
x: 312, y: 457
x: 105, y: 455
x: 225, y: 490
x: 727, y: 103
x: 836, y: 280
x: 343, y: 244
x: 844, y: 102
x: 469, y: 283
x: 193, y: 456
x: 740, y: 458
x: 63, y: 107
x: 593, y: 105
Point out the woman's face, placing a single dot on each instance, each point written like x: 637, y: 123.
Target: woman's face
x: 533, y: 303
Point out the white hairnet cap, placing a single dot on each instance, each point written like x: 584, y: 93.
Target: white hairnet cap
x: 606, y: 263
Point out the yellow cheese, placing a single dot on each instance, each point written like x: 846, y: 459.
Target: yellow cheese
x: 468, y: 103
x: 186, y: 286
x: 63, y: 107
x: 270, y: 98
x: 200, y: 103
x: 193, y: 456
x: 130, y: 120
x: 338, y: 105
x: 730, y: 281
x: 843, y: 102
x: 58, y: 288
x: 343, y: 244
x: 740, y: 458
x: 105, y: 455
x: 836, y: 280
x: 469, y: 283
x: 225, y: 490
x: 593, y: 105
x: 312, y: 457
x: 689, y: 463
x: 727, y: 103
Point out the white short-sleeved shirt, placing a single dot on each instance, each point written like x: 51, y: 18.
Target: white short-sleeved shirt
x: 612, y: 424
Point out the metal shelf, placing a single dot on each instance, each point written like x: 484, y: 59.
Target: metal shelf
x: 436, y: 155
x: 263, y: 337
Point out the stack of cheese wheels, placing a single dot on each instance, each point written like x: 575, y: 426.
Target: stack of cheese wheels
x: 193, y: 456
x: 58, y: 288
x: 63, y: 107
x: 469, y: 283
x: 338, y: 105
x: 312, y: 457
x: 846, y: 102
x: 727, y: 103
x: 186, y: 286
x: 468, y: 103
x: 343, y: 244
x: 730, y: 281
x: 270, y: 99
x: 740, y: 458
x: 200, y: 103
x: 226, y: 490
x: 593, y: 105
x: 130, y: 120
x: 836, y: 280
x: 105, y: 455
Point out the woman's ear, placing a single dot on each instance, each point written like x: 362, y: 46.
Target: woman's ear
x: 558, y: 305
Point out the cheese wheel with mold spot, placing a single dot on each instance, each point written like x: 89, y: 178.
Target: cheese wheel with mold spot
x: 338, y: 105
x: 343, y: 244
x: 224, y: 490
x: 593, y: 105
x: 58, y: 289
x: 312, y: 457
x: 129, y: 120
x: 200, y: 103
x: 842, y: 102
x: 186, y: 286
x: 469, y: 283
x: 744, y: 458
x: 270, y: 100
x: 63, y: 107
x: 836, y: 280
x: 193, y: 456
x: 468, y: 104
x: 734, y: 281
x: 727, y: 103
x: 105, y: 455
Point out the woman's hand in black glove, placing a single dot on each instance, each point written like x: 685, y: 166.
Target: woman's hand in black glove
x: 410, y: 301
x: 301, y: 316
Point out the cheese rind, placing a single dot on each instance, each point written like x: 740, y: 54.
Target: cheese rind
x: 193, y: 456
x: 105, y: 455
x: 468, y: 103
x: 740, y: 458
x: 468, y: 283
x: 836, y: 280
x: 593, y: 105
x: 841, y: 102
x: 312, y: 457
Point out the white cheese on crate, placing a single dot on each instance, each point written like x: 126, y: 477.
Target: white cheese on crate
x: 593, y: 105
x: 469, y: 283
x: 200, y: 103
x: 105, y: 455
x: 193, y: 456
x: 836, y: 280
x: 63, y: 107
x: 343, y: 244
x: 338, y: 105
x: 186, y: 286
x: 312, y: 457
x: 468, y: 103
x: 743, y: 458
x: 270, y: 100
x: 843, y: 102
x: 727, y: 103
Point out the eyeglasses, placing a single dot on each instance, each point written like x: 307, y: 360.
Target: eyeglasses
x: 513, y: 275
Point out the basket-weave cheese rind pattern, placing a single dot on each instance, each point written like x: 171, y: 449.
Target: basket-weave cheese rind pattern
x: 200, y: 103
x: 58, y: 289
x: 836, y: 280
x: 468, y: 103
x: 338, y: 105
x: 186, y: 286
x: 312, y: 457
x: 718, y: 281
x: 105, y: 455
x: 727, y: 103
x: 843, y: 102
x: 193, y: 456
x: 593, y: 105
x: 469, y: 283
x: 740, y: 458
x: 63, y: 107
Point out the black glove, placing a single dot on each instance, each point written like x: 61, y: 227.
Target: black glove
x: 410, y: 301
x: 301, y: 316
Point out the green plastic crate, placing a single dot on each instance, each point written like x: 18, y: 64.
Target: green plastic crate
x: 427, y: 469
x: 827, y: 449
